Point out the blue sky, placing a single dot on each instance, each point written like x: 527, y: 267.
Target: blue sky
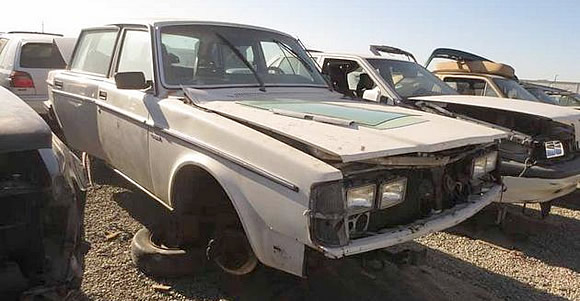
x: 539, y: 38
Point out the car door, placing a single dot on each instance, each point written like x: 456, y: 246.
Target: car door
x: 123, y: 113
x: 75, y: 91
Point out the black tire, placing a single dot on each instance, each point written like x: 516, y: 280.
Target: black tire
x: 160, y: 261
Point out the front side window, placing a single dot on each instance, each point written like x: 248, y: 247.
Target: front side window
x: 470, y: 86
x: 409, y: 79
x: 348, y: 77
x: 204, y: 55
x: 94, y: 52
x: 512, y: 89
x: 136, y: 53
x: 41, y: 55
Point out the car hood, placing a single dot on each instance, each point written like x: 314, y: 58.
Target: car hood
x: 21, y: 128
x: 354, y: 131
x: 555, y: 113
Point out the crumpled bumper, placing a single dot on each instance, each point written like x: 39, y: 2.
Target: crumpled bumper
x: 537, y: 190
x: 393, y: 236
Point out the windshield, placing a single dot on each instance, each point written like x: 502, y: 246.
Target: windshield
x: 542, y: 96
x: 409, y: 79
x: 512, y: 89
x: 202, y: 55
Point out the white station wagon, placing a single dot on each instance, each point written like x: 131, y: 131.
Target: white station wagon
x: 25, y: 60
x: 257, y: 162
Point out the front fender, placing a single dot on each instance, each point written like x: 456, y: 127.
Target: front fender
x: 272, y: 247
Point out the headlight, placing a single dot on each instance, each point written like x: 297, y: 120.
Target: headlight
x: 484, y: 164
x: 360, y: 199
x: 554, y: 149
x: 392, y: 193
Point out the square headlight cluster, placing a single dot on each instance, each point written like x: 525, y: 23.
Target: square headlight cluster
x: 484, y: 164
x: 364, y: 198
x: 554, y: 149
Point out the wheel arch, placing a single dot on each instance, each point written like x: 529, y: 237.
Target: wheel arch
x: 260, y: 235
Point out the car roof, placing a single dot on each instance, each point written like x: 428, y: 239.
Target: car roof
x: 21, y: 128
x: 361, y: 56
x: 29, y: 37
x: 167, y: 22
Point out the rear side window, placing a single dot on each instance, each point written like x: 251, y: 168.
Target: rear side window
x: 94, y: 52
x: 41, y: 55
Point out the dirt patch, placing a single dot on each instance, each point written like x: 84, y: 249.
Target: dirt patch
x: 530, y: 259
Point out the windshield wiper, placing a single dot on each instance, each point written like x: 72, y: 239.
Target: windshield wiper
x: 244, y: 60
x: 301, y: 59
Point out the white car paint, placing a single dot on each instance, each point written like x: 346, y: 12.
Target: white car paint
x: 563, y: 115
x: 518, y: 189
x: 149, y: 135
x: 10, y: 61
x: 360, y: 143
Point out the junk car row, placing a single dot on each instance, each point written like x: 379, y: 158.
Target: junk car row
x: 264, y: 152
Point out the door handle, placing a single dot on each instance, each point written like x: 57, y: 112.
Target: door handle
x: 103, y: 95
x: 156, y: 137
x: 58, y: 84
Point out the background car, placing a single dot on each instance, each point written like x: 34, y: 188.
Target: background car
x: 25, y: 60
x: 554, y: 95
x: 540, y: 160
x: 470, y: 74
x: 42, y: 193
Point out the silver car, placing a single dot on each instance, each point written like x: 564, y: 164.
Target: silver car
x: 25, y: 60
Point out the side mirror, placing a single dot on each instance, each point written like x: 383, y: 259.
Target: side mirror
x: 372, y: 94
x: 131, y: 80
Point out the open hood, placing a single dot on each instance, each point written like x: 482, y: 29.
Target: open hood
x: 454, y: 54
x: 563, y: 115
x: 355, y: 131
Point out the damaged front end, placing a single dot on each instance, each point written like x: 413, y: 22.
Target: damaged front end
x: 540, y: 160
x: 387, y: 201
x: 42, y: 245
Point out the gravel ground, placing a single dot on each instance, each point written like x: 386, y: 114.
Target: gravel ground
x: 529, y: 259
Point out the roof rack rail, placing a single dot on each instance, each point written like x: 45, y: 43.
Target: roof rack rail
x: 36, y: 32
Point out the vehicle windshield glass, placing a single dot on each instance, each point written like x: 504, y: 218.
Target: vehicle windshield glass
x: 196, y: 55
x: 542, y: 96
x: 409, y: 79
x: 512, y: 89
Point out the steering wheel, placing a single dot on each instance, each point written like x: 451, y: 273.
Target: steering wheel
x: 276, y: 70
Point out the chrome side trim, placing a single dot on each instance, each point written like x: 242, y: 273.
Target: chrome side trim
x: 200, y: 144
x: 63, y: 93
x: 143, y: 189
x: 184, y: 138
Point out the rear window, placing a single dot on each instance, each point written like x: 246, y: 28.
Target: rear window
x: 3, y: 43
x: 41, y: 55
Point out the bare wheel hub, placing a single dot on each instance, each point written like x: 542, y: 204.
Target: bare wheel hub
x: 231, y: 251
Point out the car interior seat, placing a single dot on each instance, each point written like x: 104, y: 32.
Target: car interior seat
x: 365, y: 83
